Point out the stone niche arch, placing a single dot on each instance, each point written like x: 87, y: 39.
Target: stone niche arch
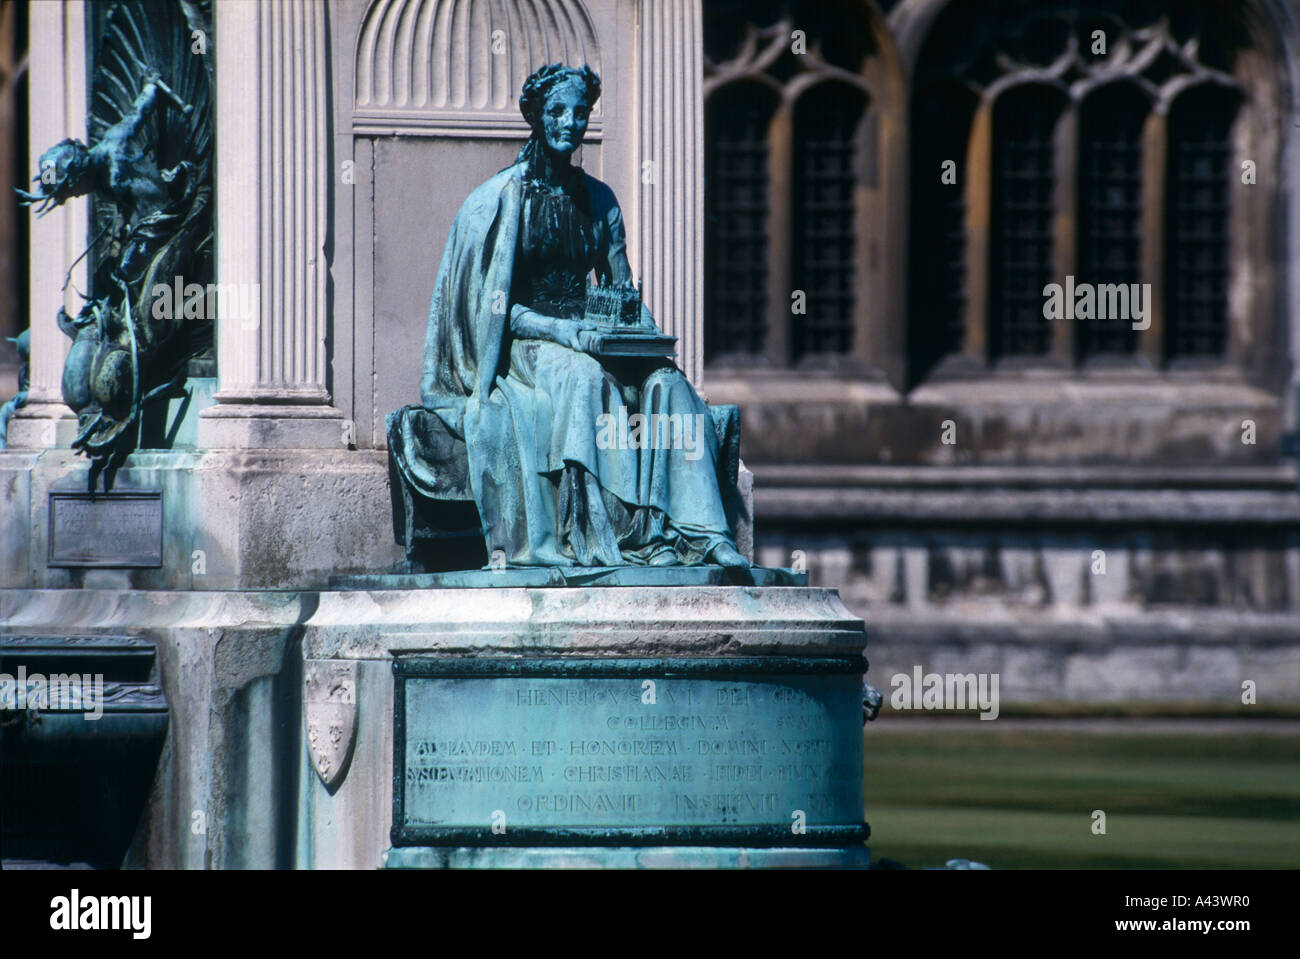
x: 456, y: 66
x: 425, y: 107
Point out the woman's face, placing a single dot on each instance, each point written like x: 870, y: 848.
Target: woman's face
x: 564, y: 117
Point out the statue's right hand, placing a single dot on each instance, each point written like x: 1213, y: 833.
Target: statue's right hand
x: 570, y: 334
x: 529, y: 324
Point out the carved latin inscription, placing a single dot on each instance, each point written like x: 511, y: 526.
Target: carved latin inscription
x: 632, y: 751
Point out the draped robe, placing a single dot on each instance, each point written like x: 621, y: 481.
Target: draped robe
x: 547, y: 490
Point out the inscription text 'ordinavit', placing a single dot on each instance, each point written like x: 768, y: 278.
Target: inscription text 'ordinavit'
x: 621, y: 753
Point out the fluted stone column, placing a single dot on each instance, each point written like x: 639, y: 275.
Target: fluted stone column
x: 57, y: 110
x: 671, y: 214
x: 671, y: 162
x: 272, y: 228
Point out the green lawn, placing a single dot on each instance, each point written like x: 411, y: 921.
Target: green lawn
x: 1014, y: 797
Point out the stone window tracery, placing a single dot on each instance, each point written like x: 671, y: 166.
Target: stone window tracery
x: 1102, y: 135
x: 787, y: 133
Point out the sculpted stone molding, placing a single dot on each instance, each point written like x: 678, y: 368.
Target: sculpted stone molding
x: 456, y: 66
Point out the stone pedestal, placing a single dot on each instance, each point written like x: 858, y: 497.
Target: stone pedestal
x: 231, y: 518
x: 639, y: 725
x: 282, y: 731
x: 700, y: 761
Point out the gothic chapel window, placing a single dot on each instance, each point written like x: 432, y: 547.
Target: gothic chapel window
x: 787, y: 147
x: 1100, y: 136
x: 1092, y: 142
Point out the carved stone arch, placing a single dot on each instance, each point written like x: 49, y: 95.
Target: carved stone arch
x: 720, y: 86
x: 802, y: 87
x: 1269, y: 25
x: 910, y: 23
x: 456, y: 66
x: 1191, y: 86
x: 1105, y: 86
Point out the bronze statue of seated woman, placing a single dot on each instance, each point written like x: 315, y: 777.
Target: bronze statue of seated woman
x: 583, y: 447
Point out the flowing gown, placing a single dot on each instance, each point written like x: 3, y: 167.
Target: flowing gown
x: 578, y: 488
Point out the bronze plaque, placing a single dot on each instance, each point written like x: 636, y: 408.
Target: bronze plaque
x: 123, y: 529
x: 628, y: 752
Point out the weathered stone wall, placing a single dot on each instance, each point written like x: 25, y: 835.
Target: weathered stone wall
x: 253, y: 518
x: 1132, y: 592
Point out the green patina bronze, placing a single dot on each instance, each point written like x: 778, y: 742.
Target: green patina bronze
x: 548, y: 394
x: 148, y: 170
x: 535, y: 577
x: 554, y: 424
x: 752, y: 752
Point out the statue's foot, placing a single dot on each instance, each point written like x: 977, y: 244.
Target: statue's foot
x: 724, y: 554
x: 664, y: 556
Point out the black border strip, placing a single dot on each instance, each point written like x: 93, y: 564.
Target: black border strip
x: 399, y: 755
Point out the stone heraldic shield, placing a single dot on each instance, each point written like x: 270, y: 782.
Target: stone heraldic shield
x: 330, y: 704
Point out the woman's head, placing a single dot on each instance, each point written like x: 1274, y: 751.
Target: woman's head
x: 557, y: 102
